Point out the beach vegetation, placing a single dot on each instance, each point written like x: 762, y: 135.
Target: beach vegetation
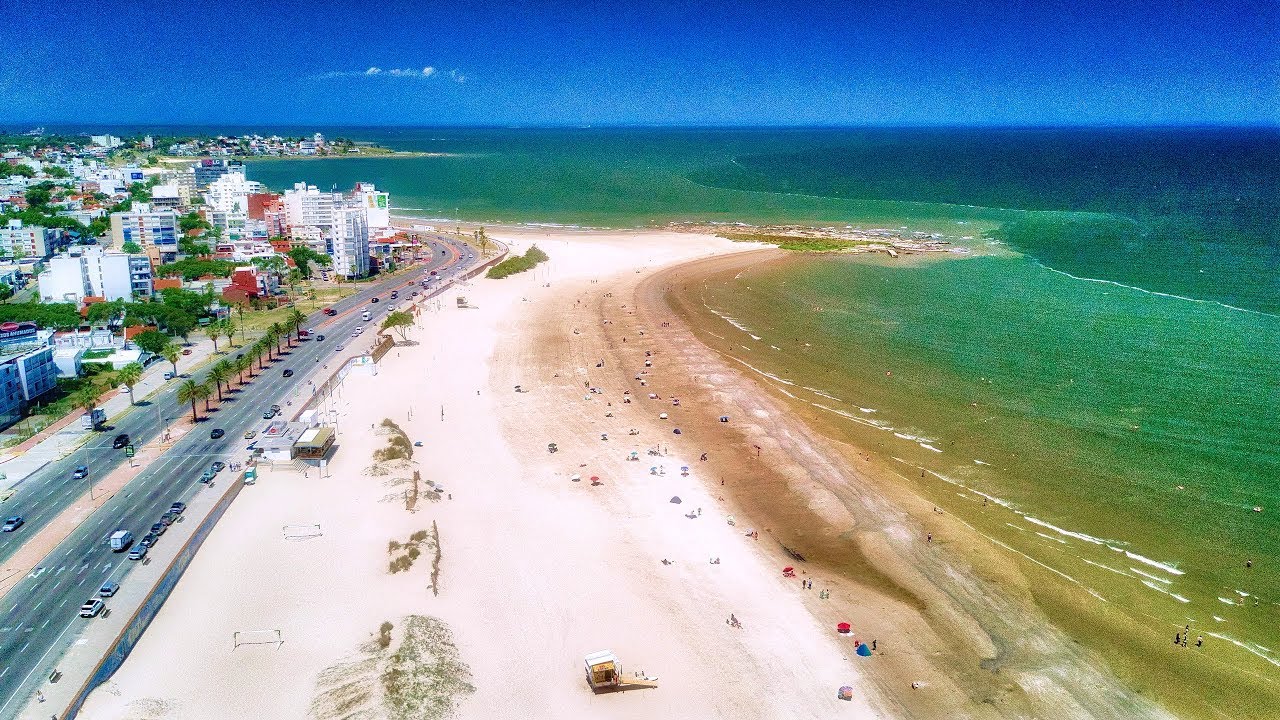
x: 425, y: 677
x: 797, y: 243
x: 518, y: 263
x: 399, y: 322
x: 384, y: 634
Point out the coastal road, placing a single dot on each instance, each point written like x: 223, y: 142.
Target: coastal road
x: 39, y: 615
x: 42, y: 496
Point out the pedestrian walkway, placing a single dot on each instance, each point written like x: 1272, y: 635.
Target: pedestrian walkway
x: 67, y: 434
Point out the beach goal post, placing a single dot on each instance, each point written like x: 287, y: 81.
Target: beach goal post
x: 301, y: 532
x: 269, y: 636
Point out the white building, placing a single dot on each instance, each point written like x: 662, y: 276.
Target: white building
x: 230, y: 194
x: 166, y: 197
x: 92, y: 272
x: 106, y: 141
x: 305, y: 206
x: 377, y: 207
x: 350, y: 239
x: 153, y: 229
x: 25, y: 241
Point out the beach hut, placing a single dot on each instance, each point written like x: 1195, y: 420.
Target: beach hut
x: 844, y: 628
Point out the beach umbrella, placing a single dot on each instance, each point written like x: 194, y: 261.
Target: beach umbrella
x: 675, y: 499
x: 676, y: 431
x: 724, y: 418
x: 864, y: 650
x: 595, y: 478
x: 846, y: 693
x: 662, y: 416
x: 575, y: 478
x: 684, y: 469
x: 844, y: 628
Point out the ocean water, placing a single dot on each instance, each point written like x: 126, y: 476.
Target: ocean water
x: 1098, y: 391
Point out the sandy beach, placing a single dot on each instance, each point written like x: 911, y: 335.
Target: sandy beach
x: 536, y: 566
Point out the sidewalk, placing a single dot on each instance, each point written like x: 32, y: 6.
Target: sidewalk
x: 66, y: 435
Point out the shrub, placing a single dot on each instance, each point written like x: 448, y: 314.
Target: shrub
x: 518, y: 263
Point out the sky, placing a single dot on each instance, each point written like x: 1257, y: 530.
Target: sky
x: 696, y: 62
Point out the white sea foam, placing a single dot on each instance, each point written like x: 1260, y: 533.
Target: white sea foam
x: 1149, y: 576
x: 1050, y: 537
x: 1153, y: 563
x: 775, y: 347
x: 1061, y: 531
x: 1255, y: 648
x: 731, y: 321
x: 927, y: 446
x: 1155, y: 292
x: 851, y: 417
x: 867, y: 410
x: 1106, y: 567
x: 1242, y: 593
x: 979, y: 462
x: 1157, y: 588
x: 769, y: 375
x: 816, y: 391
x: 1228, y: 601
x: 1215, y: 617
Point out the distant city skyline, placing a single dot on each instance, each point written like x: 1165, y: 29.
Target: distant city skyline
x: 713, y: 63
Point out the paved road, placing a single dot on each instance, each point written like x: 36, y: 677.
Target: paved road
x: 39, y: 616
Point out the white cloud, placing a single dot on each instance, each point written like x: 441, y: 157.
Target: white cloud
x: 427, y: 71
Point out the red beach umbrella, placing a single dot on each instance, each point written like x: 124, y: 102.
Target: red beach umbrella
x: 843, y: 628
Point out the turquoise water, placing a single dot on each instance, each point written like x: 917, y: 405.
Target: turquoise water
x: 1110, y: 388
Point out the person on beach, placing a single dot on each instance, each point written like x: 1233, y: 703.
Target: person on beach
x: 1177, y: 638
x: 1199, y: 641
x: 873, y: 644
x: 929, y: 538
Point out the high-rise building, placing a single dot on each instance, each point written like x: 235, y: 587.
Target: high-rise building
x: 90, y: 271
x: 25, y: 241
x: 210, y: 169
x: 154, y: 230
x: 350, y: 238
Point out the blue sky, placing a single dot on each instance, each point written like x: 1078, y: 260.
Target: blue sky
x: 695, y: 62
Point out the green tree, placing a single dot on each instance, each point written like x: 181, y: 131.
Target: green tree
x: 153, y: 341
x: 187, y: 246
x: 38, y: 197
x: 398, y: 321
x: 279, y: 332
x: 241, y: 365
x: 23, y: 170
x: 171, y: 352
x: 191, y: 391
x: 297, y: 320
x: 213, y: 332
x: 218, y: 374
x: 227, y: 328
x: 55, y: 171
x: 131, y: 248
x: 129, y: 375
x: 181, y: 324
x: 6, y: 292
x: 86, y: 398
x: 192, y: 221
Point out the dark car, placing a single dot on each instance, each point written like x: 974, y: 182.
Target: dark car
x: 169, y: 518
x: 319, y: 338
x: 433, y: 272
x: 373, y: 300
x: 12, y: 524
x: 394, y: 294
x: 121, y: 440
x: 207, y: 477
x: 81, y: 472
x: 216, y: 433
x: 218, y: 466
x: 288, y: 373
x: 148, y: 540
x: 178, y: 508
x: 267, y: 415
x: 158, y: 529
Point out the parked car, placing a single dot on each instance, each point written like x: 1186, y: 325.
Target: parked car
x: 250, y: 434
x: 178, y: 508
x: 158, y: 529
x: 276, y: 409
x: 11, y: 524
x: 109, y: 588
x: 169, y: 518
x: 216, y: 433
x: 81, y: 472
x: 186, y: 351
x: 218, y: 466
x: 148, y: 540
x: 339, y: 348
x: 268, y: 414
x: 168, y: 375
x: 138, y: 552
x: 288, y: 373
x: 92, y: 608
x: 121, y: 440
x: 207, y: 477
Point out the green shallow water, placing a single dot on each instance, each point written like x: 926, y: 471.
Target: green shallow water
x: 1087, y: 400
x: 1080, y: 405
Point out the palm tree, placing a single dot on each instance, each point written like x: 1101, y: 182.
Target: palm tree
x: 259, y: 348
x: 206, y: 393
x: 130, y: 375
x: 171, y: 353
x: 87, y: 397
x: 281, y: 331
x: 297, y: 320
x: 228, y: 329
x: 270, y: 341
x: 241, y: 364
x: 217, y: 375
x: 189, y: 392
x: 213, y: 332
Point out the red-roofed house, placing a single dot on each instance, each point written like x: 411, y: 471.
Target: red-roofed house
x: 248, y: 283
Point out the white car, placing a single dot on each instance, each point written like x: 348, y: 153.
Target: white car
x: 91, y: 608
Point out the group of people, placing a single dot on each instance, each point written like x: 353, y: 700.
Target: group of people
x: 1181, y: 638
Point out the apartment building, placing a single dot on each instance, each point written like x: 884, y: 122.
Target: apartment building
x: 92, y: 272
x: 25, y: 241
x: 155, y: 230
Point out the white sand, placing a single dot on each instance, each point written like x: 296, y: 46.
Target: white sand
x: 537, y: 571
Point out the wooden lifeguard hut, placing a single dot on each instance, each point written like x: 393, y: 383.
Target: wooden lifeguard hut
x: 604, y: 674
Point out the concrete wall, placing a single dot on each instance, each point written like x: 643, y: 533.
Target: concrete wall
x: 137, y: 624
